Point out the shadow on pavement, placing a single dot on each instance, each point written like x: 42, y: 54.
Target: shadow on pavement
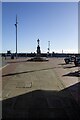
x: 42, y: 104
x: 74, y: 74
x: 11, y: 74
x: 69, y: 67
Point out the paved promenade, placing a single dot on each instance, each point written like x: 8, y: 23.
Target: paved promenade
x: 40, y: 89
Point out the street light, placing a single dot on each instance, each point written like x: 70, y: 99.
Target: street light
x: 48, y: 46
x: 16, y: 35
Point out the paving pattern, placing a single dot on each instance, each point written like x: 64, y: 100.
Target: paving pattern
x: 40, y: 89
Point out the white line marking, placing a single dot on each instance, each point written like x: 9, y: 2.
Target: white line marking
x: 4, y: 66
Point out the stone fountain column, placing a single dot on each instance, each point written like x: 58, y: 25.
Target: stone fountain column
x: 38, y: 50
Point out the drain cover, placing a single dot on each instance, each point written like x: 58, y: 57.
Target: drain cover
x: 24, y: 85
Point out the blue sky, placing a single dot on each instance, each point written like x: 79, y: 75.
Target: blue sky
x: 56, y: 22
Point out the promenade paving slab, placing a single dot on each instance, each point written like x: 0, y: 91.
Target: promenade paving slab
x: 40, y: 89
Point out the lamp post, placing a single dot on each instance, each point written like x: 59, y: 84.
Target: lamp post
x: 48, y: 46
x: 16, y: 35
